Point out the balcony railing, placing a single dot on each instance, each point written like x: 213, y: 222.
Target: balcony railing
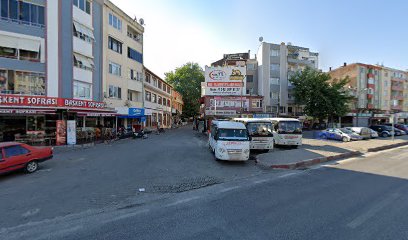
x: 26, y: 93
x: 22, y: 22
x: 397, y: 88
x: 396, y: 107
x: 398, y: 97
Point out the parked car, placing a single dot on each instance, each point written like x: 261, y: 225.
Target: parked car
x: 15, y: 156
x: 364, y: 132
x: 342, y: 134
x: 374, y: 134
x: 399, y: 128
x: 382, y: 130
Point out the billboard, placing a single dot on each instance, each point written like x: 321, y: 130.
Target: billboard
x: 224, y: 81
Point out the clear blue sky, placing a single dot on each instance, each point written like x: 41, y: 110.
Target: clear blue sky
x: 178, y: 31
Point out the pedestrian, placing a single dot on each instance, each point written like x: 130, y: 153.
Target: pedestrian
x: 158, y: 128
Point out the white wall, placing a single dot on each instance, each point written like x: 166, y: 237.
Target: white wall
x: 82, y: 75
x: 82, y: 47
x: 52, y: 49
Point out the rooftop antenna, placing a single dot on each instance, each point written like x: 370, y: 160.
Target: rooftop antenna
x: 135, y: 19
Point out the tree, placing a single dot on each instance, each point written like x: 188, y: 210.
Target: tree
x: 322, y: 97
x: 187, y: 81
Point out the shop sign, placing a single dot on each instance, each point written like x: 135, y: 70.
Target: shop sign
x: 262, y: 115
x: 61, y: 132
x: 92, y: 114
x: 42, y: 101
x: 224, y: 84
x: 71, y: 132
x: 136, y: 112
x: 223, y: 91
x: 230, y: 102
x: 25, y: 111
x: 225, y: 74
x: 221, y: 112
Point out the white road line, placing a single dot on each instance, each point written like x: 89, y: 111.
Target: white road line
x: 229, y: 189
x: 31, y: 212
x: 372, y: 211
x: 288, y: 175
x: 128, y: 215
x: 182, y: 201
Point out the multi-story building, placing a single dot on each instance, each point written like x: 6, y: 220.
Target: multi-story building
x: 177, y: 105
x: 378, y: 93
x: 50, y: 65
x: 157, y: 101
x: 123, y: 65
x: 276, y: 64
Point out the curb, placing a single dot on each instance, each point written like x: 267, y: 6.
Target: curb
x: 315, y: 161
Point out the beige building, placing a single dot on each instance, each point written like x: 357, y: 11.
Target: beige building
x: 122, y: 62
x: 177, y: 105
x: 157, y: 101
x: 379, y: 92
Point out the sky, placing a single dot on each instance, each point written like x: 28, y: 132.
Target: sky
x: 181, y: 31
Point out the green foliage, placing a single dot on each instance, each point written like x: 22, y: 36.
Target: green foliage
x: 187, y: 81
x: 321, y: 97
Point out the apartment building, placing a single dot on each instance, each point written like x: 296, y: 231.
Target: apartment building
x: 157, y: 101
x: 380, y: 93
x: 50, y: 66
x: 276, y: 64
x: 177, y: 105
x: 123, y: 65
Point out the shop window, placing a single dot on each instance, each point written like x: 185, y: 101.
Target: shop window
x: 35, y: 124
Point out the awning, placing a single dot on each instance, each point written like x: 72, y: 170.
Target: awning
x: 84, y: 30
x: 20, y: 43
x: 87, y: 62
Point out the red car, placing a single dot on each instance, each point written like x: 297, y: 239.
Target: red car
x: 14, y: 156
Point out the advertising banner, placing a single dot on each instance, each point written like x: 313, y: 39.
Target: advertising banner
x: 43, y: 101
x: 71, y: 132
x: 220, y: 112
x: 224, y: 81
x: 61, y: 132
x: 230, y: 102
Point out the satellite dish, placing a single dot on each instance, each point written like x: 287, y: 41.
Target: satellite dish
x: 141, y: 21
x: 260, y: 39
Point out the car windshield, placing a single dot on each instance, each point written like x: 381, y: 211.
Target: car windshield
x: 260, y: 129
x: 233, y: 134
x: 289, y: 127
x: 345, y: 130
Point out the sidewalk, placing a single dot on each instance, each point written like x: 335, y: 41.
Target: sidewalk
x: 318, y: 151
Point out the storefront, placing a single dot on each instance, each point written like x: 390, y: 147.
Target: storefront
x: 35, y: 119
x: 133, y: 118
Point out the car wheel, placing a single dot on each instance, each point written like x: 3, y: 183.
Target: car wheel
x: 384, y: 135
x: 323, y: 136
x: 31, y: 167
x: 345, y: 139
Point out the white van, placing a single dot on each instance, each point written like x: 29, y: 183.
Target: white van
x: 229, y: 141
x: 260, y: 133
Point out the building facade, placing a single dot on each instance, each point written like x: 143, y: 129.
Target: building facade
x: 50, y: 66
x: 157, y: 101
x: 379, y: 93
x: 123, y: 65
x: 177, y: 106
x: 276, y: 64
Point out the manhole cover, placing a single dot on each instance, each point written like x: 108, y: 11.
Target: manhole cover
x: 187, y: 185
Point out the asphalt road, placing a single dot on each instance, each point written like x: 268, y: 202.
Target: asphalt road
x: 361, y: 198
x: 109, y: 175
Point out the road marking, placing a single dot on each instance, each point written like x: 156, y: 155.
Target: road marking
x: 288, y: 175
x: 372, y: 211
x: 182, y: 201
x: 228, y: 189
x: 128, y: 215
x: 31, y: 212
x: 261, y: 181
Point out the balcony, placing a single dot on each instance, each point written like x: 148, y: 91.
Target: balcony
x: 396, y: 107
x: 370, y: 106
x: 300, y: 61
x: 398, y: 88
x: 398, y: 97
x: 397, y: 79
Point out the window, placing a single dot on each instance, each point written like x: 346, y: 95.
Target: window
x: 160, y: 84
x: 114, y: 45
x: 148, y: 96
x: 155, y: 82
x: 275, y: 67
x: 168, y: 103
x: 274, y: 95
x: 385, y: 93
x: 164, y: 102
x: 8, y: 52
x: 386, y: 74
x: 115, y: 22
x: 275, y: 52
x: 135, y: 55
x: 250, y: 78
x: 82, y: 32
x: 115, y: 92
x: 84, y: 5
x: 257, y: 103
x: 274, y: 81
x: 168, y: 89
x: 83, y: 62
x: 28, y: 83
x: 251, y: 66
x: 15, y: 151
x: 82, y: 90
x: 147, y: 79
x: 165, y: 87
x: 159, y: 100
x: 135, y: 75
x: 22, y: 12
x: 130, y: 95
x: 115, y: 69
x: 154, y: 98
